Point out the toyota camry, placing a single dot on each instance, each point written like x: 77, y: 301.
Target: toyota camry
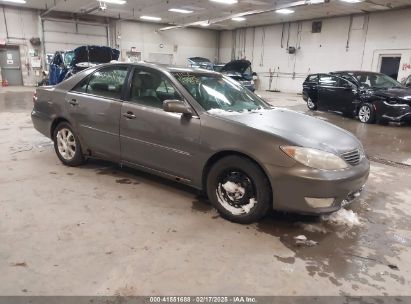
x: 203, y: 129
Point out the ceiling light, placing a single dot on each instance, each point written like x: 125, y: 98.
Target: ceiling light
x: 352, y: 1
x: 113, y: 1
x: 15, y: 1
x: 225, y: 1
x: 205, y: 24
x: 316, y: 1
x: 181, y: 11
x: 238, y: 19
x: 284, y: 11
x: 151, y: 18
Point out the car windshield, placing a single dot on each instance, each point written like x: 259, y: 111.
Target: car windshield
x: 68, y: 56
x: 217, y: 92
x: 375, y: 80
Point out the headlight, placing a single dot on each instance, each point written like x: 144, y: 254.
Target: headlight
x: 315, y: 158
x: 392, y: 103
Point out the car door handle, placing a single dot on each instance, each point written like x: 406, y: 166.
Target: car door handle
x: 73, y: 102
x: 129, y: 115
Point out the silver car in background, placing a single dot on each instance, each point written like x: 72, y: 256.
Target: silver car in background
x: 205, y: 130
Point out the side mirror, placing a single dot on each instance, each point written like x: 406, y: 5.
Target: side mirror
x: 176, y: 106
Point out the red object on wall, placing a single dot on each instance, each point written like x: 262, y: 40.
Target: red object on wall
x: 5, y: 83
x: 406, y: 66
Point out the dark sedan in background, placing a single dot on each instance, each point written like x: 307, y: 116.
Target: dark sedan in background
x: 407, y: 82
x: 368, y: 95
x: 203, y: 129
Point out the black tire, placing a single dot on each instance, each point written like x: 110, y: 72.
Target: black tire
x: 311, y: 104
x: 75, y: 158
x: 366, y: 113
x: 253, y: 203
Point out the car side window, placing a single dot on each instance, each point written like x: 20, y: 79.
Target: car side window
x: 106, y: 82
x: 81, y: 87
x: 408, y: 81
x: 329, y: 81
x: 312, y: 79
x: 151, y: 88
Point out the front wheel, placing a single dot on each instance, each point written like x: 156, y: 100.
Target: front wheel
x: 311, y: 104
x: 67, y: 145
x: 366, y: 113
x: 239, y: 189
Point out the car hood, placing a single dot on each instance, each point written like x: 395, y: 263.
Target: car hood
x: 199, y: 60
x: 395, y: 94
x: 236, y: 66
x: 94, y: 54
x: 236, y: 76
x: 298, y: 129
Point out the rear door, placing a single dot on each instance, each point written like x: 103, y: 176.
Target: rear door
x: 153, y: 138
x: 310, y: 87
x: 94, y: 106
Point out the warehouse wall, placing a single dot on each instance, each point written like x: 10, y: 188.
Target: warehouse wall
x: 335, y: 48
x: 22, y: 25
x: 178, y: 44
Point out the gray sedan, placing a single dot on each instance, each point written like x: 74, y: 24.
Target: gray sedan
x: 203, y: 129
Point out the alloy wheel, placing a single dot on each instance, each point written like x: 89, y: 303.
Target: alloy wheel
x: 310, y: 103
x: 364, y: 113
x: 66, y: 143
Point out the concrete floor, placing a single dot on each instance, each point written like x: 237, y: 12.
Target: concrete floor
x: 102, y: 230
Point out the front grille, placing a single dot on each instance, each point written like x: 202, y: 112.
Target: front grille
x: 352, y: 157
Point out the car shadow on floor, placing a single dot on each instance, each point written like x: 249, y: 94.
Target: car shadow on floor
x: 200, y: 202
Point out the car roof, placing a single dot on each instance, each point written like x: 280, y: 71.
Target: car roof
x: 164, y: 67
x: 354, y: 72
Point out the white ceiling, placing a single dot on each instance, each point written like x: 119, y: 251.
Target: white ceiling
x: 208, y: 10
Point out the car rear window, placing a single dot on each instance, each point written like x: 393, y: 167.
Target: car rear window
x: 105, y: 82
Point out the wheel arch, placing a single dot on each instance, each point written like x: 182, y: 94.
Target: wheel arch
x: 55, y: 123
x: 224, y: 153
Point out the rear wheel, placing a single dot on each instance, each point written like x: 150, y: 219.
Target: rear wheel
x: 366, y: 113
x: 238, y: 189
x: 67, y: 145
x: 311, y: 104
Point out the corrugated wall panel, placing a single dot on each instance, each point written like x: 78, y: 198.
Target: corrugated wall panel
x: 63, y: 35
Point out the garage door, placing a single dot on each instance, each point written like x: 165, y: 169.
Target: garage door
x: 63, y: 35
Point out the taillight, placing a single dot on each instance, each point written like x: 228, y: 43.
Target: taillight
x: 35, y: 97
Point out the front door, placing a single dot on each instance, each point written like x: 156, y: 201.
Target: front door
x: 346, y: 96
x: 94, y: 106
x: 336, y: 94
x: 10, y: 66
x: 153, y: 138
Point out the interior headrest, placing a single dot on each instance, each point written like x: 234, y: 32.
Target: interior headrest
x: 146, y: 81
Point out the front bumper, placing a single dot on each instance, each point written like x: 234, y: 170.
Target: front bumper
x: 394, y: 113
x: 291, y: 186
